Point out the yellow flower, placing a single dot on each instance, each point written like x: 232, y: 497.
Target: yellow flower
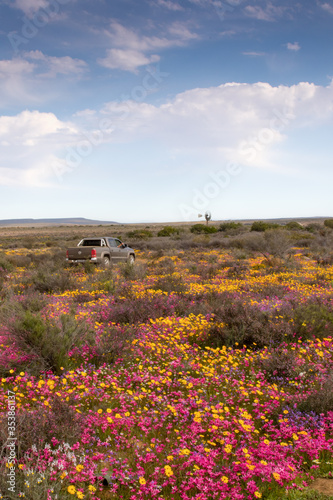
x: 91, y: 488
x: 224, y: 479
x: 169, y: 457
x: 257, y: 494
x: 79, y: 467
x: 117, y: 415
x: 276, y: 476
x: 108, y: 410
x: 100, y: 411
x: 80, y: 495
x: 71, y: 489
x: 168, y: 470
x: 142, y: 480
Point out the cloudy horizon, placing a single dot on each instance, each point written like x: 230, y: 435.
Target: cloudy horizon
x: 160, y: 110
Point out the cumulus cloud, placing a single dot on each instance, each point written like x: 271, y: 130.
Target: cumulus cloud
x: 29, y: 144
x: 293, y: 46
x: 228, y: 119
x: 131, y: 50
x: 234, y: 122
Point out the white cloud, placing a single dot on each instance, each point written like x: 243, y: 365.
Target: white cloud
x: 22, y: 79
x: 30, y: 142
x: 225, y: 119
x: 234, y: 122
x: 126, y: 59
x: 254, y: 54
x: 29, y: 7
x: 269, y: 13
x: 14, y: 68
x: 327, y: 7
x: 131, y: 50
x: 57, y: 65
x: 293, y: 46
x: 170, y: 5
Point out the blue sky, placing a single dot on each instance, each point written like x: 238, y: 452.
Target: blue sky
x: 159, y: 110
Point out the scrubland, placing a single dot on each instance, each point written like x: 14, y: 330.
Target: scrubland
x: 204, y: 371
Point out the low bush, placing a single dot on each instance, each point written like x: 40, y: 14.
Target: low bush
x: 203, y: 229
x: 328, y: 223
x: 238, y: 323
x: 170, y: 283
x: 50, y: 279
x: 168, y: 231
x: 42, y: 425
x: 261, y: 226
x: 140, y: 234
x: 311, y: 320
x: 294, y: 226
x: 42, y: 345
x: 320, y: 400
x: 280, y: 364
x: 226, y: 226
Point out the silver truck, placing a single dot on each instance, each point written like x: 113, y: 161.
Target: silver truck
x: 103, y: 251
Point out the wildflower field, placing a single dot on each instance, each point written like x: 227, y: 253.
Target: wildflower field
x: 200, y: 373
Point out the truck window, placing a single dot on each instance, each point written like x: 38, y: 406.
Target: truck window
x: 112, y: 242
x: 91, y: 243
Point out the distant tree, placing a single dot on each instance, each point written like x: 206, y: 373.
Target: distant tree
x: 261, y: 226
x: 168, y: 231
x: 200, y: 228
x: 329, y: 223
x: 141, y: 234
x: 225, y: 226
x: 293, y: 226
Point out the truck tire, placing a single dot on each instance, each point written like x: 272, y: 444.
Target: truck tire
x: 131, y: 260
x: 105, y: 261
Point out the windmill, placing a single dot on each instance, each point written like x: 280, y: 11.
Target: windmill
x: 208, y: 216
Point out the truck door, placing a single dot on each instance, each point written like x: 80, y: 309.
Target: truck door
x: 114, y: 250
x: 122, y: 251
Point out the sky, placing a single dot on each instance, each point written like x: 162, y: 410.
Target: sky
x: 161, y: 110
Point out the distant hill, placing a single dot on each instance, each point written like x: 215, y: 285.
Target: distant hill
x: 79, y: 221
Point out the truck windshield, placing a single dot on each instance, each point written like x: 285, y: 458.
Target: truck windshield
x: 90, y: 243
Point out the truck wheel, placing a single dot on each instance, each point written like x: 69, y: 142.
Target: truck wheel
x: 106, y: 261
x: 131, y: 260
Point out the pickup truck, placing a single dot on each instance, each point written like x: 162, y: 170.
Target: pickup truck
x: 103, y: 251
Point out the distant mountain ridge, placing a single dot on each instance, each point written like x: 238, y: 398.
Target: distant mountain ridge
x: 80, y: 221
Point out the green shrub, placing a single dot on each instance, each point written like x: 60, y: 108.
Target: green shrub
x: 226, y: 226
x: 312, y: 320
x: 141, y: 234
x: 168, y: 231
x: 329, y: 223
x: 314, y: 227
x: 201, y: 228
x: 261, y: 226
x: 293, y: 226
x: 43, y: 345
x: 50, y: 279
